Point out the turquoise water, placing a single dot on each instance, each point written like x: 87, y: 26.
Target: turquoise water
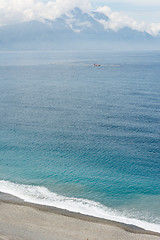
x: 80, y: 137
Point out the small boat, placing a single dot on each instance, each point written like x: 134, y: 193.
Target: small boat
x: 97, y: 65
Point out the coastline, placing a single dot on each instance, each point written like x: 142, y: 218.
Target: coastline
x: 23, y: 220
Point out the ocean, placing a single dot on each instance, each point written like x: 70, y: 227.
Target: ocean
x: 82, y: 137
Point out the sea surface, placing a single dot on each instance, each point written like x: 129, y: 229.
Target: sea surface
x: 81, y: 137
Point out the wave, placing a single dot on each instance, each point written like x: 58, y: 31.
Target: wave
x: 41, y: 195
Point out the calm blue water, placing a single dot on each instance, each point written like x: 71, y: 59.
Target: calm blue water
x: 81, y: 137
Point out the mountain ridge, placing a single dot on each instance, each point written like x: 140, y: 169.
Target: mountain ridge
x: 75, y: 30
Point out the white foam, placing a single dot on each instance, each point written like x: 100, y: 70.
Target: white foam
x: 42, y: 196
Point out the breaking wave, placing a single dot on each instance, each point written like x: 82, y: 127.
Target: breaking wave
x: 41, y: 195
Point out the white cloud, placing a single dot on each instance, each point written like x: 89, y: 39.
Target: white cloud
x: 14, y: 11
x: 153, y: 29
x: 118, y: 20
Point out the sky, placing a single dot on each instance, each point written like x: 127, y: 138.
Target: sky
x: 140, y: 10
x: 144, y: 10
x: 142, y: 15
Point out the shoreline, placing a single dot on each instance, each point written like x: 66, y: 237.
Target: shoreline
x: 13, y: 207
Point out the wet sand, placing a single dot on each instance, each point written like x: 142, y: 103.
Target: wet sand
x: 25, y: 221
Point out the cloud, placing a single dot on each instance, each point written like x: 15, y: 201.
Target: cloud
x: 153, y: 29
x: 118, y: 20
x: 14, y: 11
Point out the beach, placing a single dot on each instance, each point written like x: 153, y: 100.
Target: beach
x: 25, y: 221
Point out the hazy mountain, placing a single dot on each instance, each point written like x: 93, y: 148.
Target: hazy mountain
x: 76, y: 30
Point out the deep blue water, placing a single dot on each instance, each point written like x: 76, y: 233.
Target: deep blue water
x: 82, y: 132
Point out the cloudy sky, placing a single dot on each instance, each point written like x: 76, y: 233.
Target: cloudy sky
x: 143, y: 15
x: 144, y: 10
